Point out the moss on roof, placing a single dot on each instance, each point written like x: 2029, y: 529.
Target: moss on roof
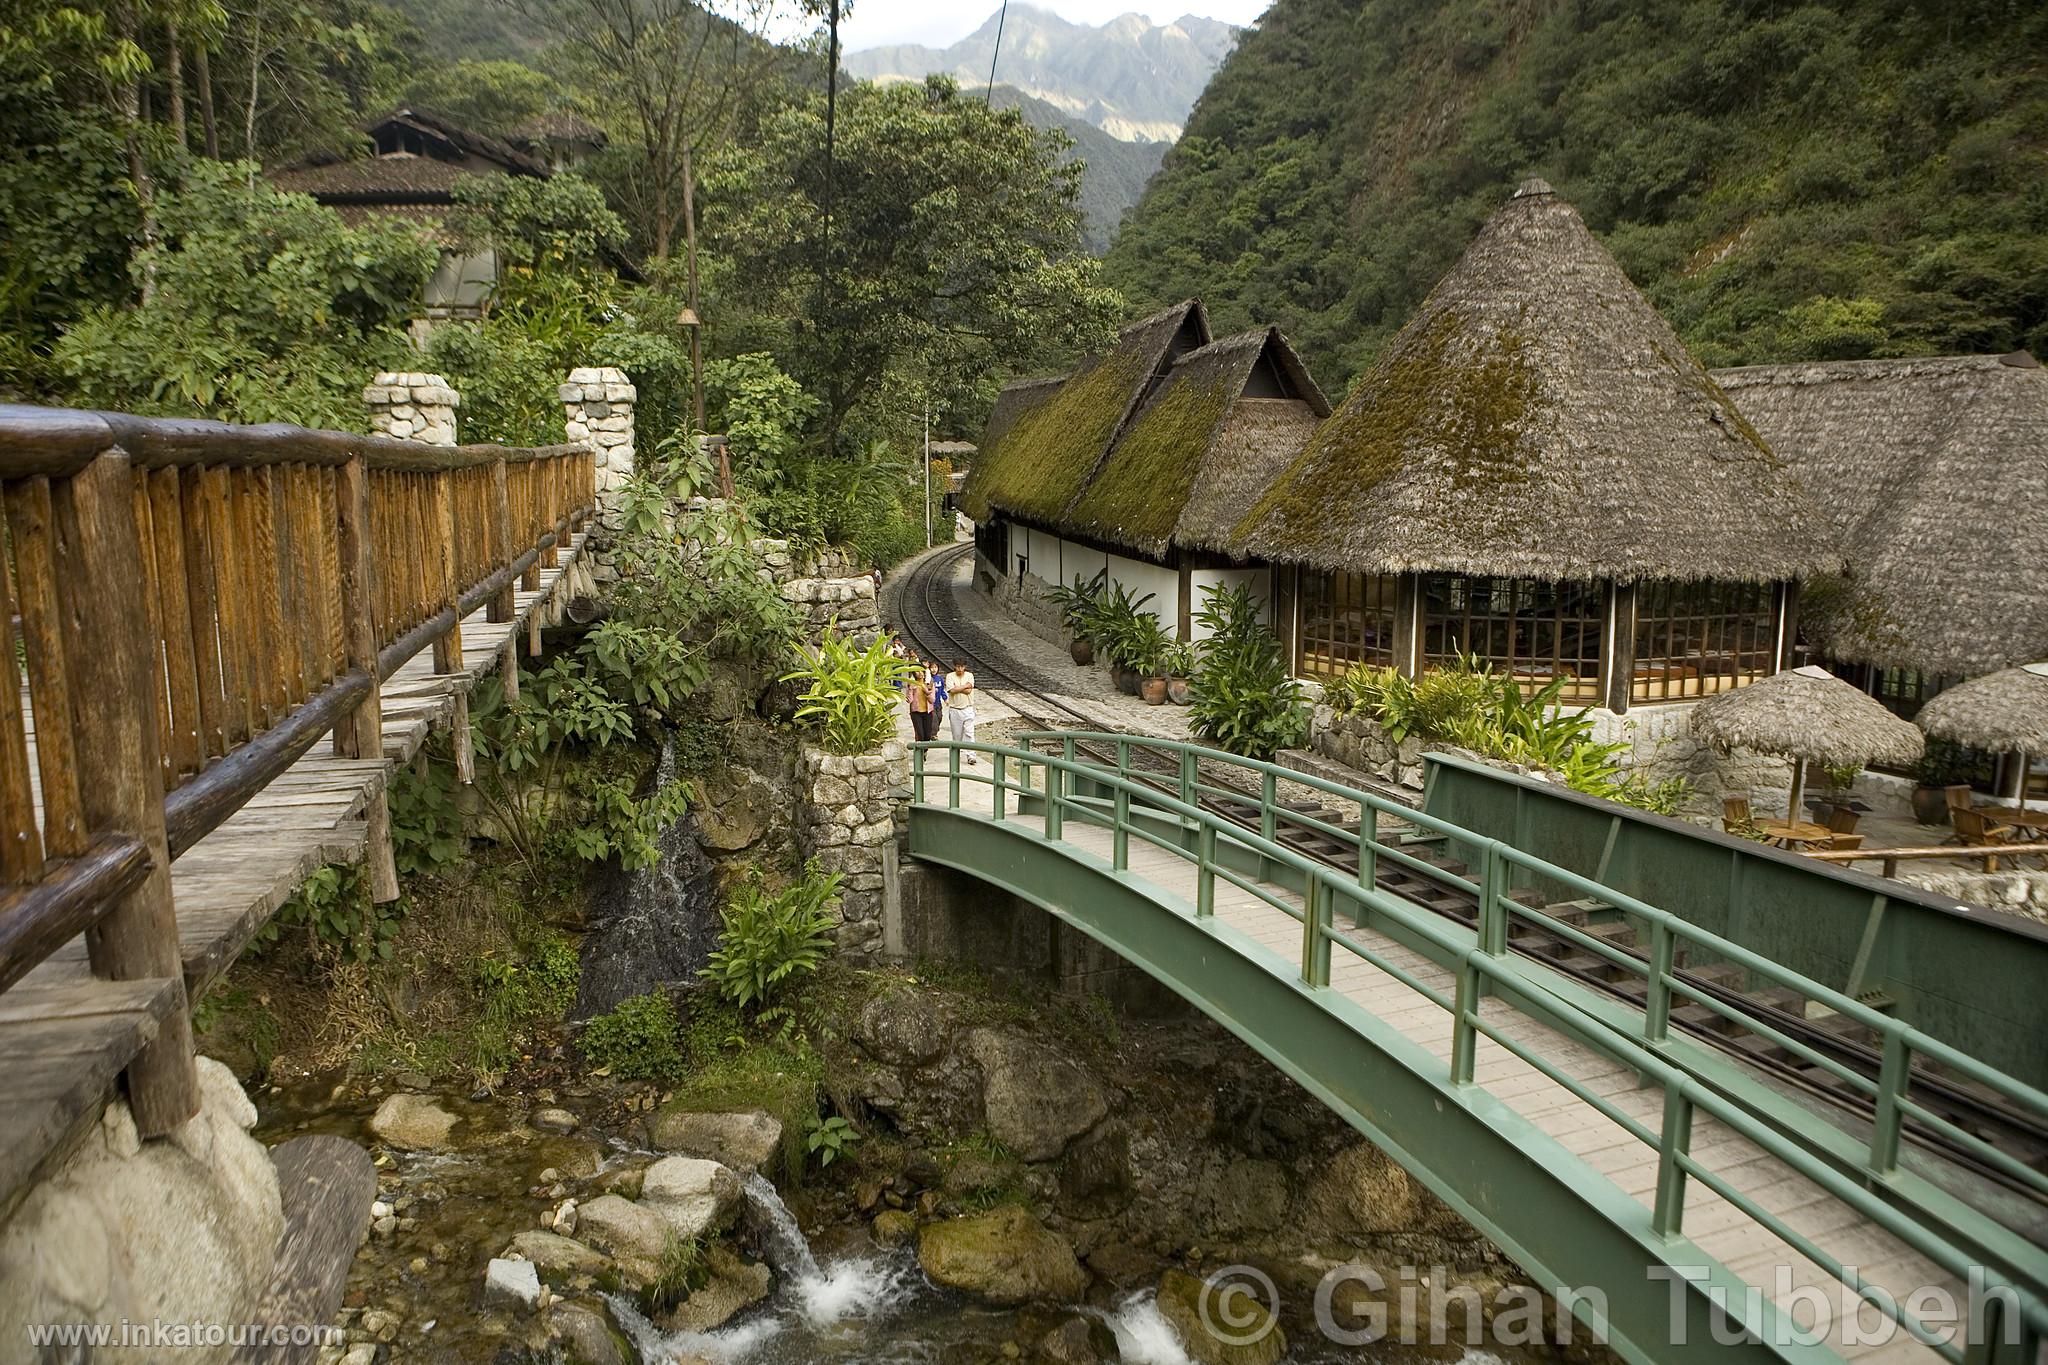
x: 1137, y: 496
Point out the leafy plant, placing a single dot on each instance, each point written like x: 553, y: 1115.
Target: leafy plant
x: 334, y: 908
x: 769, y: 937
x: 1838, y: 778
x: 426, y: 822
x: 615, y: 823
x: 636, y: 1040
x: 1246, y: 699
x: 1178, y: 660
x: 852, y: 691
x: 1076, y: 603
x: 828, y: 1139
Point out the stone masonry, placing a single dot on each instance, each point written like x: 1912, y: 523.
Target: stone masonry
x: 847, y: 806
x: 597, y: 408
x: 412, y: 406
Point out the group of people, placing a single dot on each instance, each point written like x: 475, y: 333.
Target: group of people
x: 932, y: 693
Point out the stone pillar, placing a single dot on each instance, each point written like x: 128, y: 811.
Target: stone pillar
x: 597, y: 410
x: 413, y: 407
x: 846, y: 819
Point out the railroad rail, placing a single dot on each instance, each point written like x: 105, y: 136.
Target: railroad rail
x: 1587, y: 939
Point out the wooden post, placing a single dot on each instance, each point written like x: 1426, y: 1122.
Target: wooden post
x: 1409, y: 636
x: 447, y: 649
x: 377, y: 852
x: 503, y: 605
x: 361, y: 735
x: 1787, y: 620
x: 1618, y: 659
x: 465, y: 752
x: 107, y: 651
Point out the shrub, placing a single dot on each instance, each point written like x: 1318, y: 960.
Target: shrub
x: 636, y: 1040
x: 828, y: 1139
x: 426, y: 822
x: 852, y: 692
x: 769, y: 937
x: 1246, y: 698
x: 334, y: 908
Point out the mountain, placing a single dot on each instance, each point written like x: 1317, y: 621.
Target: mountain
x: 1113, y: 173
x: 1131, y: 78
x: 1832, y: 179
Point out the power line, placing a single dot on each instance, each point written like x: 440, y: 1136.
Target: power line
x: 995, y: 56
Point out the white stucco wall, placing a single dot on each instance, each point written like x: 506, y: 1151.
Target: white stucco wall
x: 1260, y: 579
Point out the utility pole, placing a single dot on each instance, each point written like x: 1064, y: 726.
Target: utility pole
x: 927, y: 473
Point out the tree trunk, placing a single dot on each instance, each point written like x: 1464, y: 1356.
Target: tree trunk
x: 202, y: 72
x: 128, y: 99
x: 249, y: 111
x: 174, y: 79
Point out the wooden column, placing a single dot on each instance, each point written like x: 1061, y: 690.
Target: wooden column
x: 1618, y: 652
x: 1409, y: 637
x: 447, y: 649
x: 109, y: 657
x: 1184, y: 625
x: 1787, y: 616
x: 1286, y: 613
x: 360, y: 735
x: 503, y: 605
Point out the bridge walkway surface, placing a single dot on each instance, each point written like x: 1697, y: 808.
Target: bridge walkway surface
x: 1683, y: 1174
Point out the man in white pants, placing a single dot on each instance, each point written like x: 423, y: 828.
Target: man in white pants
x: 960, y: 704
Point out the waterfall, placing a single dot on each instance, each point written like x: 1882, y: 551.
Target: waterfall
x: 782, y: 1241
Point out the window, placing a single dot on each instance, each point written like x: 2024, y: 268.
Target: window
x: 1696, y: 639
x: 1535, y: 629
x: 1346, y: 619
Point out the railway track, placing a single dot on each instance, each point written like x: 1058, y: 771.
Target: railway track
x: 929, y: 617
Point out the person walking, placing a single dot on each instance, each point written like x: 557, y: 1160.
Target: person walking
x: 960, y: 688
x: 918, y: 694
x: 937, y: 677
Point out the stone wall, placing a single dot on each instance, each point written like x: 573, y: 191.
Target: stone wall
x: 597, y: 409
x: 2020, y: 893
x: 1025, y: 600
x: 182, y: 1228
x: 827, y: 588
x: 1661, y: 746
x: 846, y: 818
x: 412, y: 406
x: 1357, y: 741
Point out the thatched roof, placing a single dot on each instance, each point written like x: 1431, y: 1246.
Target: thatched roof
x: 1999, y: 711
x: 1538, y: 417
x: 1208, y: 438
x: 1806, y: 713
x: 1033, y: 465
x: 1935, y: 473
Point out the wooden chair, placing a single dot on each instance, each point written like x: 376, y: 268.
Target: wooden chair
x: 1842, y: 820
x: 1974, y: 828
x: 1735, y: 816
x: 1838, y: 842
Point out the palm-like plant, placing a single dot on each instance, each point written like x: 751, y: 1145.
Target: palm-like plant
x: 852, y: 691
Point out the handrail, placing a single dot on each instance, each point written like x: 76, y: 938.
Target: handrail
x: 1483, y: 969
x: 255, y: 584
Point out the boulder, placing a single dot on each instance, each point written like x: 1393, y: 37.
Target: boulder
x: 743, y: 1141
x: 586, y: 1335
x: 1036, y: 1102
x: 1237, y: 1331
x: 627, y: 1230
x: 1242, y: 1196
x: 894, y: 1227
x: 695, y: 1196
x: 1078, y: 1341
x: 417, y: 1123
x: 1095, y: 1178
x: 512, y: 1282
x: 903, y: 1028
x: 1005, y: 1257
x: 734, y: 1284
x: 552, y: 1120
x: 554, y: 1255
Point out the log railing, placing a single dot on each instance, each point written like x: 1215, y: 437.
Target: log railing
x: 191, y: 605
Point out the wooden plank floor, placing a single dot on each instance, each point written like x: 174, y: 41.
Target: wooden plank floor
x: 1720, y: 1230
x: 64, y: 1036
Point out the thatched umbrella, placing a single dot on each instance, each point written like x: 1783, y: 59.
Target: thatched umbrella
x: 1810, y: 716
x: 2003, y: 710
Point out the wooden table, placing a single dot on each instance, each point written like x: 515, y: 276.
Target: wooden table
x: 1788, y: 833
x: 2035, y: 821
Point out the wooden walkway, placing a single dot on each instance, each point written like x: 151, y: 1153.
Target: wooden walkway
x: 1720, y: 1230
x: 65, y: 1035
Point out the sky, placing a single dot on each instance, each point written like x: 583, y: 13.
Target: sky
x: 937, y: 23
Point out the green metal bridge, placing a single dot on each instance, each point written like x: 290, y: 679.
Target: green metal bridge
x: 1601, y: 1134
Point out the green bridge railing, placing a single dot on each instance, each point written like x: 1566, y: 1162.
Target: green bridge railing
x: 1162, y: 806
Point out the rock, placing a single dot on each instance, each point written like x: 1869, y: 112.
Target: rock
x: 413, y: 1080
x: 737, y: 806
x: 1036, y: 1103
x: 734, y: 1285
x: 903, y: 1028
x: 1095, y: 1179
x: 379, y: 1324
x: 415, y: 1122
x: 362, y: 1353
x: 1245, y: 1195
x: 894, y: 1227
x: 552, y: 1120
x: 1124, y: 1265
x: 1006, y: 1257
x: 1362, y: 1192
x: 587, y: 1335
x: 1254, y: 1338
x: 743, y: 1141
x: 512, y: 1282
x: 557, y: 1256
x: 625, y: 1229
x: 694, y: 1195
x: 1078, y: 1341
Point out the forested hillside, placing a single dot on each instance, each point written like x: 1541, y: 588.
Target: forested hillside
x: 1863, y: 178
x: 1113, y: 172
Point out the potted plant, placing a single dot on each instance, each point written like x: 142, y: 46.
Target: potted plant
x: 1077, y: 606
x: 1152, y: 666
x: 1943, y: 764
x: 1836, y: 780
x: 1180, y: 672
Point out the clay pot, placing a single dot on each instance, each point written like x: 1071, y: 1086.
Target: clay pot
x: 1179, y: 691
x: 1127, y: 682
x: 1930, y: 805
x: 1153, y: 690
x: 1082, y: 652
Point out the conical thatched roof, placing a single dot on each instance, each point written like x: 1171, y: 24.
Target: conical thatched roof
x: 1935, y: 474
x: 1033, y: 467
x: 1208, y: 438
x: 1806, y: 713
x: 1999, y: 711
x: 1537, y: 417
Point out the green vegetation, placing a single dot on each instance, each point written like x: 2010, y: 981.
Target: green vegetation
x: 636, y: 1040
x: 1138, y: 496
x: 1825, y: 180
x: 851, y: 691
x: 1246, y: 698
x: 1058, y: 442
x: 341, y: 923
x: 771, y: 939
x: 828, y: 1139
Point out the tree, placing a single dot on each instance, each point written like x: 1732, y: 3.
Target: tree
x: 673, y: 78
x: 954, y: 251
x: 491, y: 97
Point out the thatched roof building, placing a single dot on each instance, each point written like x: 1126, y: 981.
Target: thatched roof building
x: 1935, y: 474
x: 1211, y: 435
x: 1538, y: 418
x: 1043, y: 441
x: 417, y: 158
